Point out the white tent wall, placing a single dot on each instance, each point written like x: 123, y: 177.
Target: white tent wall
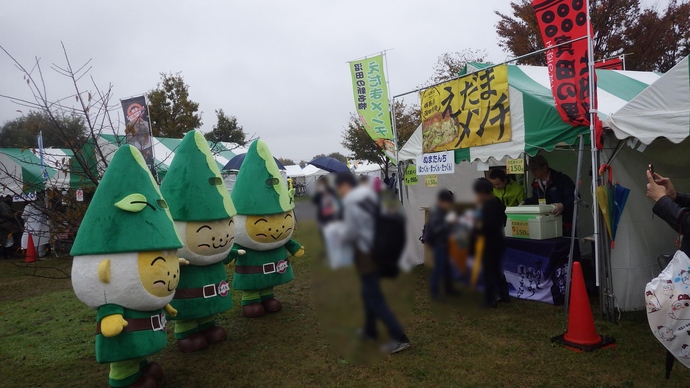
x: 642, y: 237
x: 10, y: 176
x: 460, y: 183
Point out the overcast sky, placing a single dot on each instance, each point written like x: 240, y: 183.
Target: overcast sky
x: 278, y: 66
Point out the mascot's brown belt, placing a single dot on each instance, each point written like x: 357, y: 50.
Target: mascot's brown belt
x: 207, y: 291
x: 265, y: 269
x: 154, y: 322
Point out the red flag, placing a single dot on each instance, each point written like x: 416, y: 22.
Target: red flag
x: 561, y: 21
x: 609, y: 64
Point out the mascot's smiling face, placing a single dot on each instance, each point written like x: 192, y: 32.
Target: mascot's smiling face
x: 159, y: 272
x: 265, y: 232
x: 206, y: 242
x: 143, y: 281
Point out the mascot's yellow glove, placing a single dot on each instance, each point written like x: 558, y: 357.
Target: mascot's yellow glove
x: 170, y: 310
x: 112, y: 325
x: 299, y: 253
x: 183, y: 261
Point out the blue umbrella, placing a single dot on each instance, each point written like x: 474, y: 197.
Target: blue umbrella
x: 236, y: 162
x: 620, y: 197
x: 329, y: 164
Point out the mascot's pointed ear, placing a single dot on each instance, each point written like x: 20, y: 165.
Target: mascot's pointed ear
x: 104, y: 271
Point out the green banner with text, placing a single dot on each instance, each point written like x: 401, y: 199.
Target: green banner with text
x: 371, y: 101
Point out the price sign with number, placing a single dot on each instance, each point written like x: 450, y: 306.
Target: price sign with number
x: 520, y: 228
x: 411, y: 178
x: 431, y: 180
x: 515, y: 166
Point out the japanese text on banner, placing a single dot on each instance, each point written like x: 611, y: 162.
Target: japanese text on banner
x: 471, y: 111
x: 371, y: 101
x: 561, y: 21
x: 411, y: 178
x: 431, y: 180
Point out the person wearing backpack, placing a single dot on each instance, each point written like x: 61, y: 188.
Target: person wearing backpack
x: 437, y: 234
x: 359, y: 230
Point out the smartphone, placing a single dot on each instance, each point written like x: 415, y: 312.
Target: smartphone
x: 650, y: 167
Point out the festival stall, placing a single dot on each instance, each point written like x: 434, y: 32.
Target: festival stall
x: 311, y: 174
x: 535, y: 125
x: 653, y: 128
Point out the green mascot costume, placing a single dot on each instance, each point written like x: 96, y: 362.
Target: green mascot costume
x: 264, y: 225
x: 202, y: 209
x: 126, y: 266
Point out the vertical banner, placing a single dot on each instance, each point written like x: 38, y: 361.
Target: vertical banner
x: 561, y: 21
x: 138, y: 127
x: 467, y: 112
x: 371, y: 101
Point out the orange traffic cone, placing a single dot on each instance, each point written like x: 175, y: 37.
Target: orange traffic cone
x: 581, y: 334
x: 30, y: 251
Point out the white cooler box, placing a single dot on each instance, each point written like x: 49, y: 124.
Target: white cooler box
x: 533, y: 222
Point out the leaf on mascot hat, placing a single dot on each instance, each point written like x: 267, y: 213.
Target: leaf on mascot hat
x: 133, y: 203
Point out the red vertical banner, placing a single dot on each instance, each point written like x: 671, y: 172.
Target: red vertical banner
x: 561, y: 21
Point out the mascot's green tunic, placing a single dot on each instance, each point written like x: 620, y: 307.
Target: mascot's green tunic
x: 126, y: 266
x: 264, y: 225
x: 202, y: 209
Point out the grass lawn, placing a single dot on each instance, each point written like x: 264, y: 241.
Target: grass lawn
x: 47, y: 335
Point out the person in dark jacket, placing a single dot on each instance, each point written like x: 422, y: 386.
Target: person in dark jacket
x: 328, y: 206
x: 490, y: 225
x: 554, y: 188
x: 672, y: 207
x: 437, y: 235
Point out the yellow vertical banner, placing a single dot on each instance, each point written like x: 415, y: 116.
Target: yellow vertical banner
x: 467, y: 112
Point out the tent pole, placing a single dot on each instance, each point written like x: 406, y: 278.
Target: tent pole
x: 573, y: 233
x: 593, y: 143
x: 395, y: 132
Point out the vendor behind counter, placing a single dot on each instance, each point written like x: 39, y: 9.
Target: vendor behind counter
x: 554, y: 188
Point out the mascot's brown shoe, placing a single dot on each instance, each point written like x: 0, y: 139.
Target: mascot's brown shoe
x: 153, y: 370
x: 144, y: 382
x: 193, y: 343
x: 272, y: 305
x: 254, y: 310
x: 215, y: 334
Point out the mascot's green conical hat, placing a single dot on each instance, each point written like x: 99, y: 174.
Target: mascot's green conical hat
x: 193, y: 186
x: 259, y: 188
x: 127, y: 213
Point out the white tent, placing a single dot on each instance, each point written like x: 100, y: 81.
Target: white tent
x: 656, y: 124
x: 413, y: 146
x: 369, y: 169
x: 311, y: 174
x: 661, y: 110
x: 294, y: 171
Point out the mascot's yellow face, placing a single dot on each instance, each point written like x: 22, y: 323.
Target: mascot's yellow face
x: 159, y: 272
x: 270, y: 229
x: 210, y: 237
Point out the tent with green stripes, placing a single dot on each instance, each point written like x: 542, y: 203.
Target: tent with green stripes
x: 535, y: 122
x: 20, y: 170
x: 164, y: 150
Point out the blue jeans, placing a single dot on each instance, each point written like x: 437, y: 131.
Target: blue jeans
x: 375, y: 307
x: 442, y: 270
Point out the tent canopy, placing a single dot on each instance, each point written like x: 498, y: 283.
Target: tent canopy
x: 294, y: 171
x: 661, y: 110
x: 535, y: 122
x: 164, y: 150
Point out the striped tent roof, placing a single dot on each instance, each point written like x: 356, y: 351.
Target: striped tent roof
x: 164, y: 150
x: 535, y: 122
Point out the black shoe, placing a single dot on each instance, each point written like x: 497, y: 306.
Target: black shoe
x: 395, y: 346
